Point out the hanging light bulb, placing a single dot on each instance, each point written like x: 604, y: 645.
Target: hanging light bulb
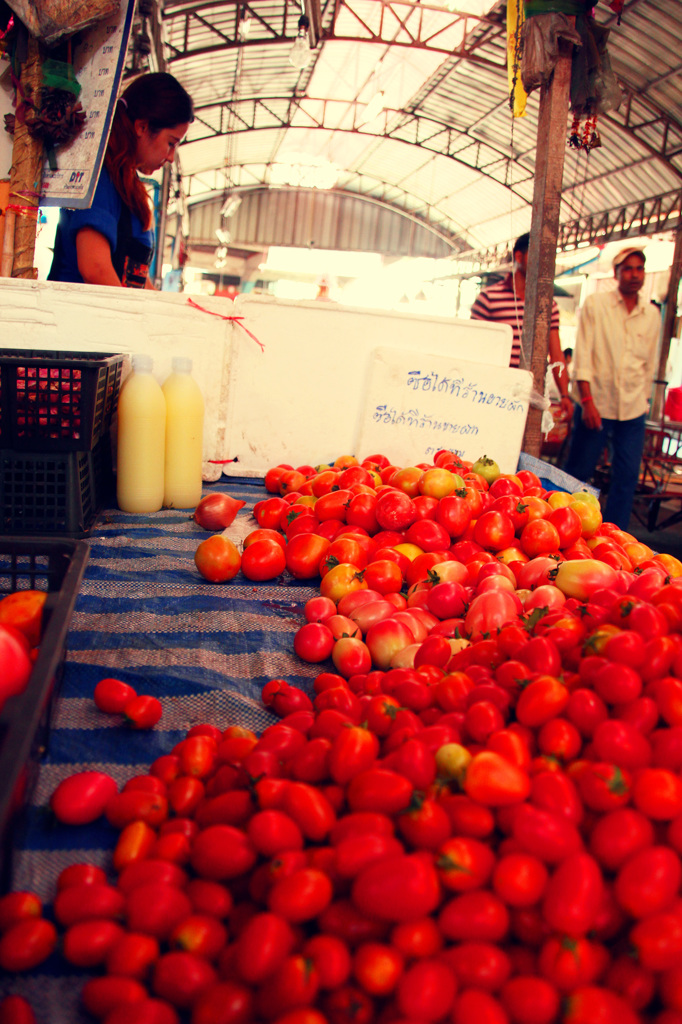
x: 301, y: 54
x: 230, y: 206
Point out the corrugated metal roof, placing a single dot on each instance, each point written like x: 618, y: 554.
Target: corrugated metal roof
x: 444, y: 148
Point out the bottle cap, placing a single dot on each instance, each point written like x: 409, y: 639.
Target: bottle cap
x: 181, y: 364
x: 142, y: 363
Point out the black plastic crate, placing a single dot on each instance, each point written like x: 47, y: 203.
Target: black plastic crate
x: 57, y: 401
x: 56, y: 566
x: 54, y: 493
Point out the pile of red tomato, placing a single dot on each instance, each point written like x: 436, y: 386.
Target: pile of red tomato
x: 476, y: 816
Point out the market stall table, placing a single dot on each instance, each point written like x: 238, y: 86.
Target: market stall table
x: 146, y: 616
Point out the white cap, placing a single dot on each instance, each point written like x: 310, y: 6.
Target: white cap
x: 181, y: 364
x: 142, y: 363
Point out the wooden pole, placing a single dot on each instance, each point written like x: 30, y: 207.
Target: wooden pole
x: 26, y: 175
x: 549, y: 167
x: 164, y: 193
x: 668, y: 329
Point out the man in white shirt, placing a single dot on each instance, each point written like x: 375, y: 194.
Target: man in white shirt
x: 614, y: 366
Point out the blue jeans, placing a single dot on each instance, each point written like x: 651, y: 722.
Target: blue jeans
x: 625, y: 439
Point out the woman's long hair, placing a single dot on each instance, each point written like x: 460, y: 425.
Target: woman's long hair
x: 159, y: 99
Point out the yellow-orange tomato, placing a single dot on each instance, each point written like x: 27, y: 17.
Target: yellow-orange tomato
x: 342, y: 579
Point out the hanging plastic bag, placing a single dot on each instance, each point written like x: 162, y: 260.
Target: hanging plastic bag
x: 594, y: 88
x: 51, y: 20
x: 541, y: 35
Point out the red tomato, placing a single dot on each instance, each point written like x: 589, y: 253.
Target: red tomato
x: 428, y: 535
x: 217, y: 559
x: 494, y: 530
x: 377, y: 968
x: 384, y: 576
x: 454, y: 513
x: 482, y: 964
x: 387, y: 638
x: 657, y: 793
x: 380, y: 790
x: 310, y: 809
x: 87, y: 943
x: 530, y: 1000
x: 303, y: 555
x: 112, y: 695
x: 223, y: 1001
x: 573, y: 895
x: 520, y: 879
x: 426, y: 991
x: 156, y: 908
x: 301, y: 896
x: 269, y: 512
x: 262, y: 945
x: 82, y: 797
x: 490, y: 611
x: 494, y: 781
x: 361, y: 512
x: 477, y: 916
x: 540, y: 537
x: 132, y: 955
x: 15, y: 663
x: 464, y: 863
x: 590, y: 1003
x: 314, y: 642
x: 294, y: 984
x: 180, y: 978
x: 222, y: 852
x: 77, y: 874
x: 474, y: 1006
x: 201, y: 934
x: 149, y: 871
x: 333, y: 505
x: 425, y: 826
x: 657, y: 941
x: 618, y: 835
x: 143, y: 711
x: 353, y: 750
x: 395, y: 510
x: 354, y: 853
x: 136, y: 805
x: 26, y: 944
x: 570, y: 963
x: 18, y: 906
x: 263, y: 560
x: 648, y: 881
x: 24, y: 611
x: 318, y: 609
x: 551, y: 837
x: 400, y: 889
x: 101, y: 995
x: 80, y: 902
x: 16, y: 1010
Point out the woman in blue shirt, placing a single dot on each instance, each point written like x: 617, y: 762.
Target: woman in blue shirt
x: 112, y: 242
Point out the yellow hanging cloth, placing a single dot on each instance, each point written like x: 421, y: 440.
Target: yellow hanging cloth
x: 517, y: 94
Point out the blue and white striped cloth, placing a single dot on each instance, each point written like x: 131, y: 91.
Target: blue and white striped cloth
x: 146, y: 616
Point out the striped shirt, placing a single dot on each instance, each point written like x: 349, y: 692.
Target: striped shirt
x: 499, y: 304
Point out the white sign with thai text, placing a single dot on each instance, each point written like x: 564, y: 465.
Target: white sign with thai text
x: 419, y: 404
x: 98, y: 63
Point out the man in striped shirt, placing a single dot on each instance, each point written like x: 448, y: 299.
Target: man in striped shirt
x: 503, y: 302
